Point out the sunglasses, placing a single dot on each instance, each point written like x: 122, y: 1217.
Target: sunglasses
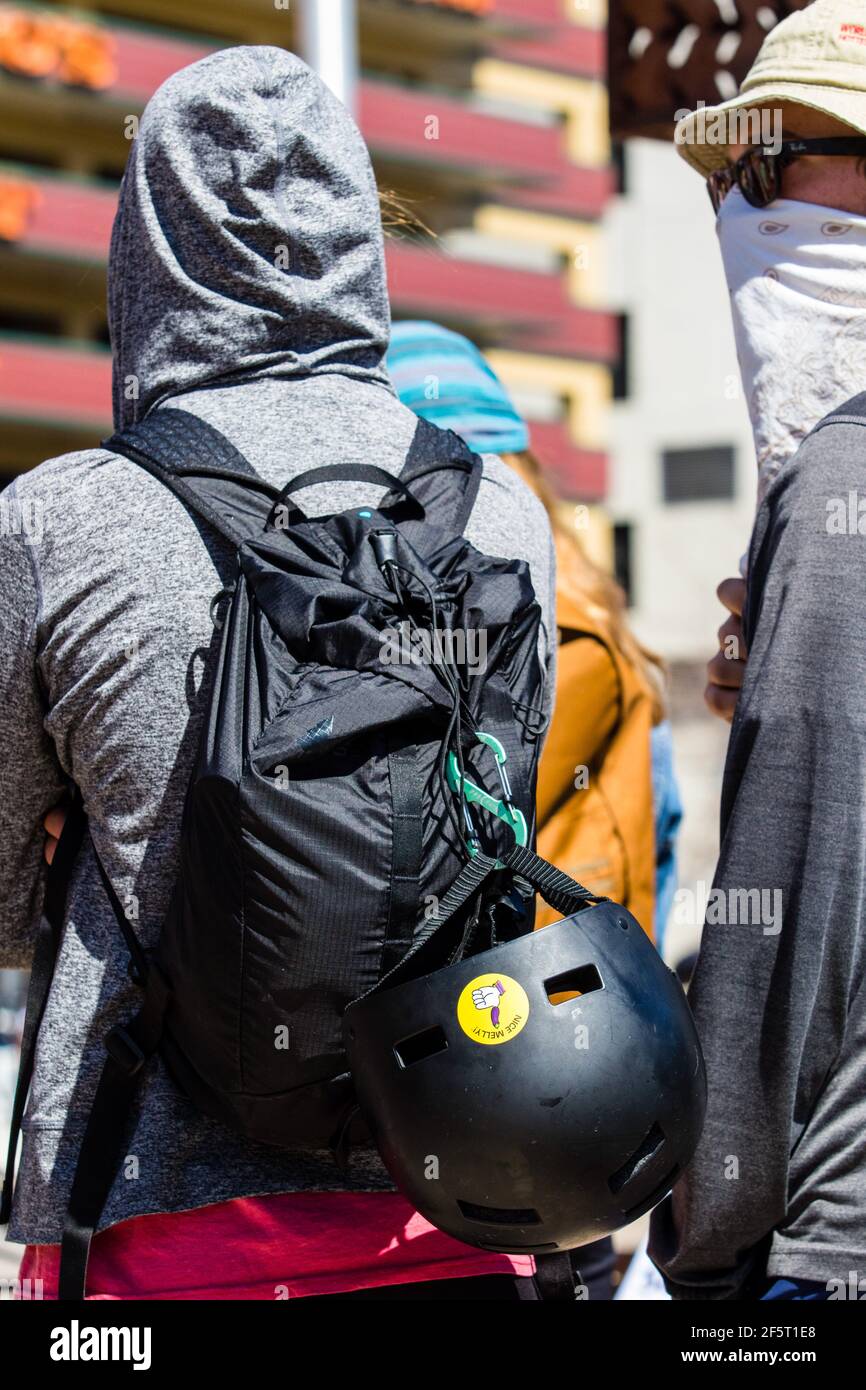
x: 758, y: 172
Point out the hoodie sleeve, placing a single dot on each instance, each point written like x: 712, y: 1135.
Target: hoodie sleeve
x: 782, y: 944
x: 32, y: 779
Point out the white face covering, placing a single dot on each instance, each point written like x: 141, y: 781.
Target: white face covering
x: 797, y: 276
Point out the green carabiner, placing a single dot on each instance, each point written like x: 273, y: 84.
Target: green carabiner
x: 502, y: 808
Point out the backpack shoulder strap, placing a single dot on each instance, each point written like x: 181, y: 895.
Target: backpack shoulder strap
x: 47, y: 946
x: 196, y: 462
x: 128, y: 1046
x: 444, y: 475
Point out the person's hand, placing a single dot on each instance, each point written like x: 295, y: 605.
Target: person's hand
x: 53, y: 824
x: 725, y: 671
x: 488, y: 997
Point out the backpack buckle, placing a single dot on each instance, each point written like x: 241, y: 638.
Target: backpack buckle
x: 125, y: 1051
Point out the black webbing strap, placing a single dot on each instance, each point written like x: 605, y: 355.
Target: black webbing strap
x: 183, y: 443
x: 561, y: 891
x: 470, y: 495
x: 129, y: 1047
x: 433, y: 455
x: 470, y: 879
x: 467, y: 883
x: 181, y: 486
x: 41, y: 974
x: 558, y: 890
x: 133, y: 945
x: 554, y: 1277
x: 183, y: 452
x: 406, y: 847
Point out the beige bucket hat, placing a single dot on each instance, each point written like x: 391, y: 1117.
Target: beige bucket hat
x: 816, y: 57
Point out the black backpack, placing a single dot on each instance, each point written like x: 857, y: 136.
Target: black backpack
x: 370, y: 740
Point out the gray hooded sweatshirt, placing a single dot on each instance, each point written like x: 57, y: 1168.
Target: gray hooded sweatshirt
x: 246, y: 286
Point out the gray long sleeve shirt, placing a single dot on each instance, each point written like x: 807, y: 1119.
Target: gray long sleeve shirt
x: 106, y: 580
x: 778, y: 1185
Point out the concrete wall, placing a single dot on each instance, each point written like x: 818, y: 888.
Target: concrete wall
x: 665, y: 273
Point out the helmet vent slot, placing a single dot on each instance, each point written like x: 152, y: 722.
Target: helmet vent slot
x: 661, y: 1190
x: 643, y: 1154
x: 500, y: 1216
x: 419, y: 1046
x: 571, y: 984
x: 513, y: 1247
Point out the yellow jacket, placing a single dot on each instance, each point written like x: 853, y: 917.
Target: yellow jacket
x: 595, y: 812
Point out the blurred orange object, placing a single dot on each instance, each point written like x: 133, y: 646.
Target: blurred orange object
x: 86, y: 55
x: 17, y: 201
x: 25, y: 44
x: 470, y: 6
x: 41, y: 45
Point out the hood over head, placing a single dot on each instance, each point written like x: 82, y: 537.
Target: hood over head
x: 247, y: 241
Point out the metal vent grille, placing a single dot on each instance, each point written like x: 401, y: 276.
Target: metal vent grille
x: 666, y: 56
x: 698, y: 475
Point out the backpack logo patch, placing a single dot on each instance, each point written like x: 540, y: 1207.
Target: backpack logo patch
x: 318, y: 733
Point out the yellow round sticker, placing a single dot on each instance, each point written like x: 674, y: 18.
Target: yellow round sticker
x: 492, y: 1009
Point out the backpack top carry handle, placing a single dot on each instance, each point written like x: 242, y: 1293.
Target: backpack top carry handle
x: 339, y: 473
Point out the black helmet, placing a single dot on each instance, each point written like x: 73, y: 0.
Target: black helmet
x: 538, y: 1095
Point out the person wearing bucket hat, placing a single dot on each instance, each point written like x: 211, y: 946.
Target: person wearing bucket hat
x: 813, y: 63
x: 789, y: 147
x: 808, y: 85
x: 777, y: 992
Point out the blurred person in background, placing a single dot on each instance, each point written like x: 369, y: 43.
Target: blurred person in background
x: 608, y: 806
x: 774, y: 1204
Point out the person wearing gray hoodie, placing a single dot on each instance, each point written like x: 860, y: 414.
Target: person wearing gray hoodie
x: 246, y: 287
